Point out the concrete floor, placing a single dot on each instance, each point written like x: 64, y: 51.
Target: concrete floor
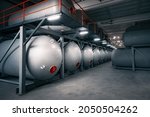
x: 98, y: 83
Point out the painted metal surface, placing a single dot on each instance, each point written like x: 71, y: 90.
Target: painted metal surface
x: 41, y: 10
x: 43, y: 58
x: 73, y: 56
x: 96, y: 56
x: 123, y: 57
x: 87, y: 56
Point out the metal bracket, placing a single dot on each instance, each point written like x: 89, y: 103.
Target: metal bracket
x: 38, y: 26
x: 133, y: 58
x: 62, y: 69
x: 22, y: 62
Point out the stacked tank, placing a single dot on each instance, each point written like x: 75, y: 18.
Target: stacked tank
x: 137, y: 42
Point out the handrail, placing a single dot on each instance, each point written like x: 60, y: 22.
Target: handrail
x: 4, y: 18
x: 14, y: 6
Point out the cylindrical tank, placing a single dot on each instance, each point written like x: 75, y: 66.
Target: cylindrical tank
x: 96, y: 56
x: 73, y: 56
x: 87, y: 56
x: 43, y: 58
x: 137, y: 38
x: 123, y: 57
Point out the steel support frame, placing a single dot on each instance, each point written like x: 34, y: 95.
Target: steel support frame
x: 62, y: 69
x: 22, y: 58
x: 81, y: 45
x: 92, y: 65
x: 133, y: 58
x: 22, y: 61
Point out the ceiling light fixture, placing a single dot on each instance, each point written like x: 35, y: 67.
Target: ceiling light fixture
x: 54, y: 17
x: 97, y: 39
x: 114, y: 37
x: 118, y: 37
x: 83, y: 32
x: 104, y: 42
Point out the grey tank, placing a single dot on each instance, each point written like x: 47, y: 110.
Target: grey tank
x: 123, y: 57
x: 73, y: 56
x: 43, y: 58
x: 137, y: 38
x: 87, y: 56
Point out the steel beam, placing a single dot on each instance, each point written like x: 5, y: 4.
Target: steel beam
x: 13, y: 41
x: 81, y: 47
x: 22, y: 61
x: 34, y: 31
x: 62, y: 69
x: 133, y: 58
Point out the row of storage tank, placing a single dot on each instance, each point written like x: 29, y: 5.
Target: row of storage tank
x: 44, y: 57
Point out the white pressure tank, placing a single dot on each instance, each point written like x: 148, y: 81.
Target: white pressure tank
x: 96, y: 56
x: 43, y: 58
x: 73, y: 56
x: 87, y: 56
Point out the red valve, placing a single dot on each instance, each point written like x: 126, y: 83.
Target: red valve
x: 53, y: 69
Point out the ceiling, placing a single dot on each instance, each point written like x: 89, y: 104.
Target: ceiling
x: 113, y: 16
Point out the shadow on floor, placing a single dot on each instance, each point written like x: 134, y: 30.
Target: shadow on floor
x: 98, y: 83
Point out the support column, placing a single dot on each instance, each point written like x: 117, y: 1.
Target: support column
x: 81, y: 48
x: 93, y: 56
x: 22, y: 61
x: 62, y: 69
x: 133, y: 58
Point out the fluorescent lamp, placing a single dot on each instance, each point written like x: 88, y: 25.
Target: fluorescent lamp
x: 97, y: 39
x: 84, y: 32
x: 104, y: 42
x: 54, y: 17
x: 108, y: 45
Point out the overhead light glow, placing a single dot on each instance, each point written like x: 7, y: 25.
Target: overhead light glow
x: 104, y: 42
x: 114, y: 37
x: 118, y: 41
x: 54, y: 17
x: 97, y: 39
x: 84, y: 32
x: 120, y: 45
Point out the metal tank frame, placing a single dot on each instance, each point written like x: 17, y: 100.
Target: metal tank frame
x: 23, y: 84
x: 133, y: 67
